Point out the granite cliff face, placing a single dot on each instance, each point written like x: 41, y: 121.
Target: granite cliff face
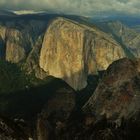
x: 15, y: 44
x: 17, y: 38
x: 44, y: 107
x: 94, y: 49
x: 118, y: 94
x: 72, y: 51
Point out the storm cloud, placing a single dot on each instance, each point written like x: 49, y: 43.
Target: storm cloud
x: 80, y: 7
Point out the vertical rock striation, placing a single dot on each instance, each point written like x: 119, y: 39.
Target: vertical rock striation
x: 72, y: 51
x: 17, y: 38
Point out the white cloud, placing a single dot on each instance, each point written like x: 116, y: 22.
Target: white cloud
x: 83, y: 7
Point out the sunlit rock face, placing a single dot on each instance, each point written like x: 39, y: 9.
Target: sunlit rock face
x: 14, y: 44
x: 15, y: 49
x: 104, y: 50
x: 117, y: 95
x: 17, y: 38
x: 2, y: 32
x: 72, y: 51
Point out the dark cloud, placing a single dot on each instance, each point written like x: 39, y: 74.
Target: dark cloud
x: 82, y: 7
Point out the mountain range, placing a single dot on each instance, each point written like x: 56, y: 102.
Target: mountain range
x: 66, y: 77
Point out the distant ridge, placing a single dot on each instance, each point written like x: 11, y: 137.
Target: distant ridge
x: 6, y: 13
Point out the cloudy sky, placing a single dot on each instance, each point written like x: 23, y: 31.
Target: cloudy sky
x: 80, y: 7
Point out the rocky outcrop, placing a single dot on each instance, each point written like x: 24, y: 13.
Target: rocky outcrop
x: 19, y: 37
x: 72, y: 51
x: 117, y: 95
x: 2, y: 32
x: 31, y: 65
x: 53, y: 118
x: 9, y: 130
x: 15, y: 44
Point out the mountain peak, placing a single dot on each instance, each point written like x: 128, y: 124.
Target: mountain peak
x: 72, y: 51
